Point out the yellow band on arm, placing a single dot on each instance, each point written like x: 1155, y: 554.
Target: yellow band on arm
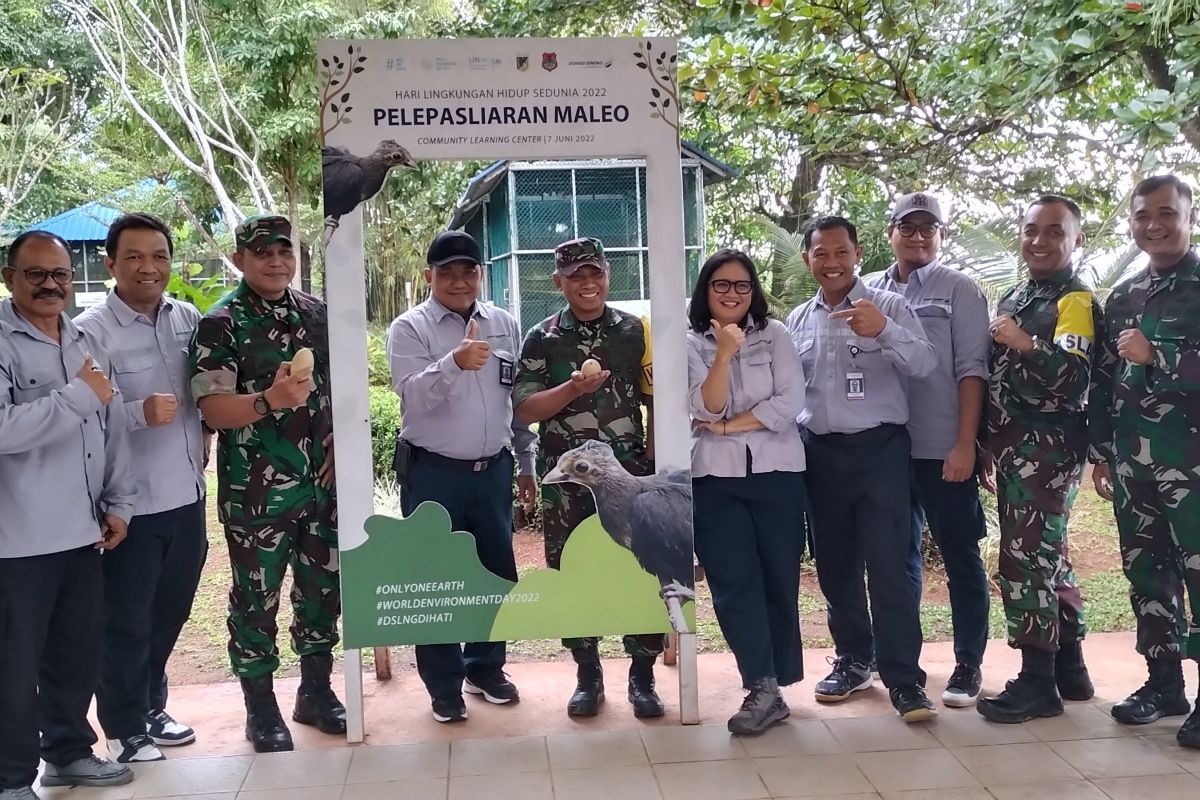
x: 647, y: 360
x: 1076, y: 329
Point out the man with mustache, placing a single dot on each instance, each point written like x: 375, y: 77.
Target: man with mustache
x: 67, y: 494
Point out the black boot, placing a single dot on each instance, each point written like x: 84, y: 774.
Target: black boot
x: 589, y: 689
x: 645, y: 700
x: 1071, y: 674
x: 1161, y: 696
x: 264, y: 724
x: 316, y: 704
x: 1031, y: 695
x: 1189, y: 734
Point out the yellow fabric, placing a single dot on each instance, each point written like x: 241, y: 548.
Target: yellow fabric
x: 647, y: 361
x: 1076, y: 329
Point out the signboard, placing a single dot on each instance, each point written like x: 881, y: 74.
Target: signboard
x: 385, y: 107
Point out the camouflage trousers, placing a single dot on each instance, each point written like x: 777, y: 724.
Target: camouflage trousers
x: 1043, y: 607
x: 1159, y: 526
x: 259, y: 556
x: 564, y: 506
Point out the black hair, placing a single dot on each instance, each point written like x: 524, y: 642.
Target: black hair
x: 1157, y: 182
x: 1061, y: 200
x: 28, y: 236
x: 136, y: 221
x: 699, y: 311
x: 828, y: 223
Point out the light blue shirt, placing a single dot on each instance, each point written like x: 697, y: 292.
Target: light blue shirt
x: 64, y: 456
x: 150, y: 357
x: 765, y: 378
x: 831, y: 353
x: 457, y: 413
x: 954, y: 314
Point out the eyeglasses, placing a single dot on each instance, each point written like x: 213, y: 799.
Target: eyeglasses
x: 37, y: 276
x: 721, y: 286
x: 927, y: 231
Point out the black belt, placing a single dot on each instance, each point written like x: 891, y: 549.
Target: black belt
x: 477, y: 465
x: 880, y: 433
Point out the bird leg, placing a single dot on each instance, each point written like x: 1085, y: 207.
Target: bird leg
x: 677, y: 590
x: 331, y: 225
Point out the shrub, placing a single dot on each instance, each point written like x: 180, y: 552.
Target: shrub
x: 385, y: 424
x: 378, y: 371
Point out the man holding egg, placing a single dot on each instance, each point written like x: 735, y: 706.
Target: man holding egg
x: 585, y: 374
x: 260, y: 374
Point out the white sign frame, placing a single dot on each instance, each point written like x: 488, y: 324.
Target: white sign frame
x: 632, y: 111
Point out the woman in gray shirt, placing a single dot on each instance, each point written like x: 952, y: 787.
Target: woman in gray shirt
x: 746, y: 388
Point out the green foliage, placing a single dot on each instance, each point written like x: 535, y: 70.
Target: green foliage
x: 203, y: 294
x: 385, y: 424
x: 379, y: 373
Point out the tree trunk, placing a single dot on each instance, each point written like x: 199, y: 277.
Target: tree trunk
x: 806, y: 184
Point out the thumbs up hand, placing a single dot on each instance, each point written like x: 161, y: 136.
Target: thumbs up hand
x: 471, y: 353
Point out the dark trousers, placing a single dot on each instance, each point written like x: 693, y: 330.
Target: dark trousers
x: 149, y: 584
x: 955, y: 518
x: 858, y: 489
x: 51, y: 627
x: 749, y: 535
x: 479, y: 503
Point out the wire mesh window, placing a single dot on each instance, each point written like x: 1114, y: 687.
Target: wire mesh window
x: 543, y: 209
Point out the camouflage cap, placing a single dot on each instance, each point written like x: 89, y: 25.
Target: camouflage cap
x: 582, y: 252
x: 917, y: 201
x: 261, y: 230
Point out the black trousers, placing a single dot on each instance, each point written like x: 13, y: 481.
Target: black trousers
x: 479, y: 503
x: 858, y: 488
x: 750, y: 535
x: 51, y: 626
x: 150, y: 582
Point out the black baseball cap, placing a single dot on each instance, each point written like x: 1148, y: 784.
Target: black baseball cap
x: 451, y: 246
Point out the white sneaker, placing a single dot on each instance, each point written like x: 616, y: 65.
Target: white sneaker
x: 134, y: 750
x: 164, y: 731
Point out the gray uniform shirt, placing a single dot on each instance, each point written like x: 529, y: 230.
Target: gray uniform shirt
x: 954, y: 314
x: 765, y: 378
x: 64, y: 457
x: 447, y: 410
x: 834, y: 358
x: 151, y: 358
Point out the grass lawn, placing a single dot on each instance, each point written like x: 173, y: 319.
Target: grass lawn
x: 201, y: 655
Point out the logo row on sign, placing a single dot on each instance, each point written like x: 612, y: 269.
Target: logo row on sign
x: 479, y: 63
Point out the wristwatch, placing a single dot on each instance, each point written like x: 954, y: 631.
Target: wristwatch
x: 261, y: 406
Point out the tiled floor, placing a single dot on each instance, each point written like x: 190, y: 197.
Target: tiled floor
x: 1083, y: 755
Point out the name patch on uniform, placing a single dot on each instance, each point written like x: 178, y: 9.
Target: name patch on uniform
x: 856, y: 386
x: 507, y: 372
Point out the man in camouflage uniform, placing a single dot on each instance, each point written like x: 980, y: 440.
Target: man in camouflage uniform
x: 275, y: 468
x: 574, y: 407
x: 1043, y: 336
x: 1145, y: 411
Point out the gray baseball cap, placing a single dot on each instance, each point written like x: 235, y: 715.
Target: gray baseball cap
x: 917, y: 201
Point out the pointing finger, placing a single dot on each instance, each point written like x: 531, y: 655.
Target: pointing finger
x: 849, y: 313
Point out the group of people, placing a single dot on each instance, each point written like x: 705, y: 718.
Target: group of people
x: 880, y: 405
x: 105, y: 430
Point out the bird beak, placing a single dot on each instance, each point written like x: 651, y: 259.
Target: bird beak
x: 556, y: 475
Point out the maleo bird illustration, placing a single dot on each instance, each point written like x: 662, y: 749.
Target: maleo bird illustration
x: 651, y: 517
x: 349, y: 179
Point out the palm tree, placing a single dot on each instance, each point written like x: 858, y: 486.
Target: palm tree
x: 796, y: 283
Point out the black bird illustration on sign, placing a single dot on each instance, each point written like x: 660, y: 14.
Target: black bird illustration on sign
x: 649, y: 516
x: 349, y: 179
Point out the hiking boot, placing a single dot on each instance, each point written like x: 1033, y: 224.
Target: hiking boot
x: 849, y: 675
x: 164, y: 731
x: 1161, y: 696
x: 265, y: 728
x: 23, y: 793
x: 134, y: 750
x: 762, y: 708
x: 1030, y: 695
x: 449, y: 709
x: 646, y: 702
x: 495, y: 687
x: 1071, y: 674
x: 589, y: 686
x: 1189, y: 734
x: 963, y: 687
x: 911, y: 703
x: 90, y: 771
x: 316, y: 704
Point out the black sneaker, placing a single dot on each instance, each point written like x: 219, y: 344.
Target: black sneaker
x: 963, y: 687
x: 134, y: 750
x: 164, y: 731
x: 911, y: 703
x: 848, y: 676
x: 450, y: 709
x: 494, y: 686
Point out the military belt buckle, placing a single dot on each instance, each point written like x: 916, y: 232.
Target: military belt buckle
x: 479, y: 466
